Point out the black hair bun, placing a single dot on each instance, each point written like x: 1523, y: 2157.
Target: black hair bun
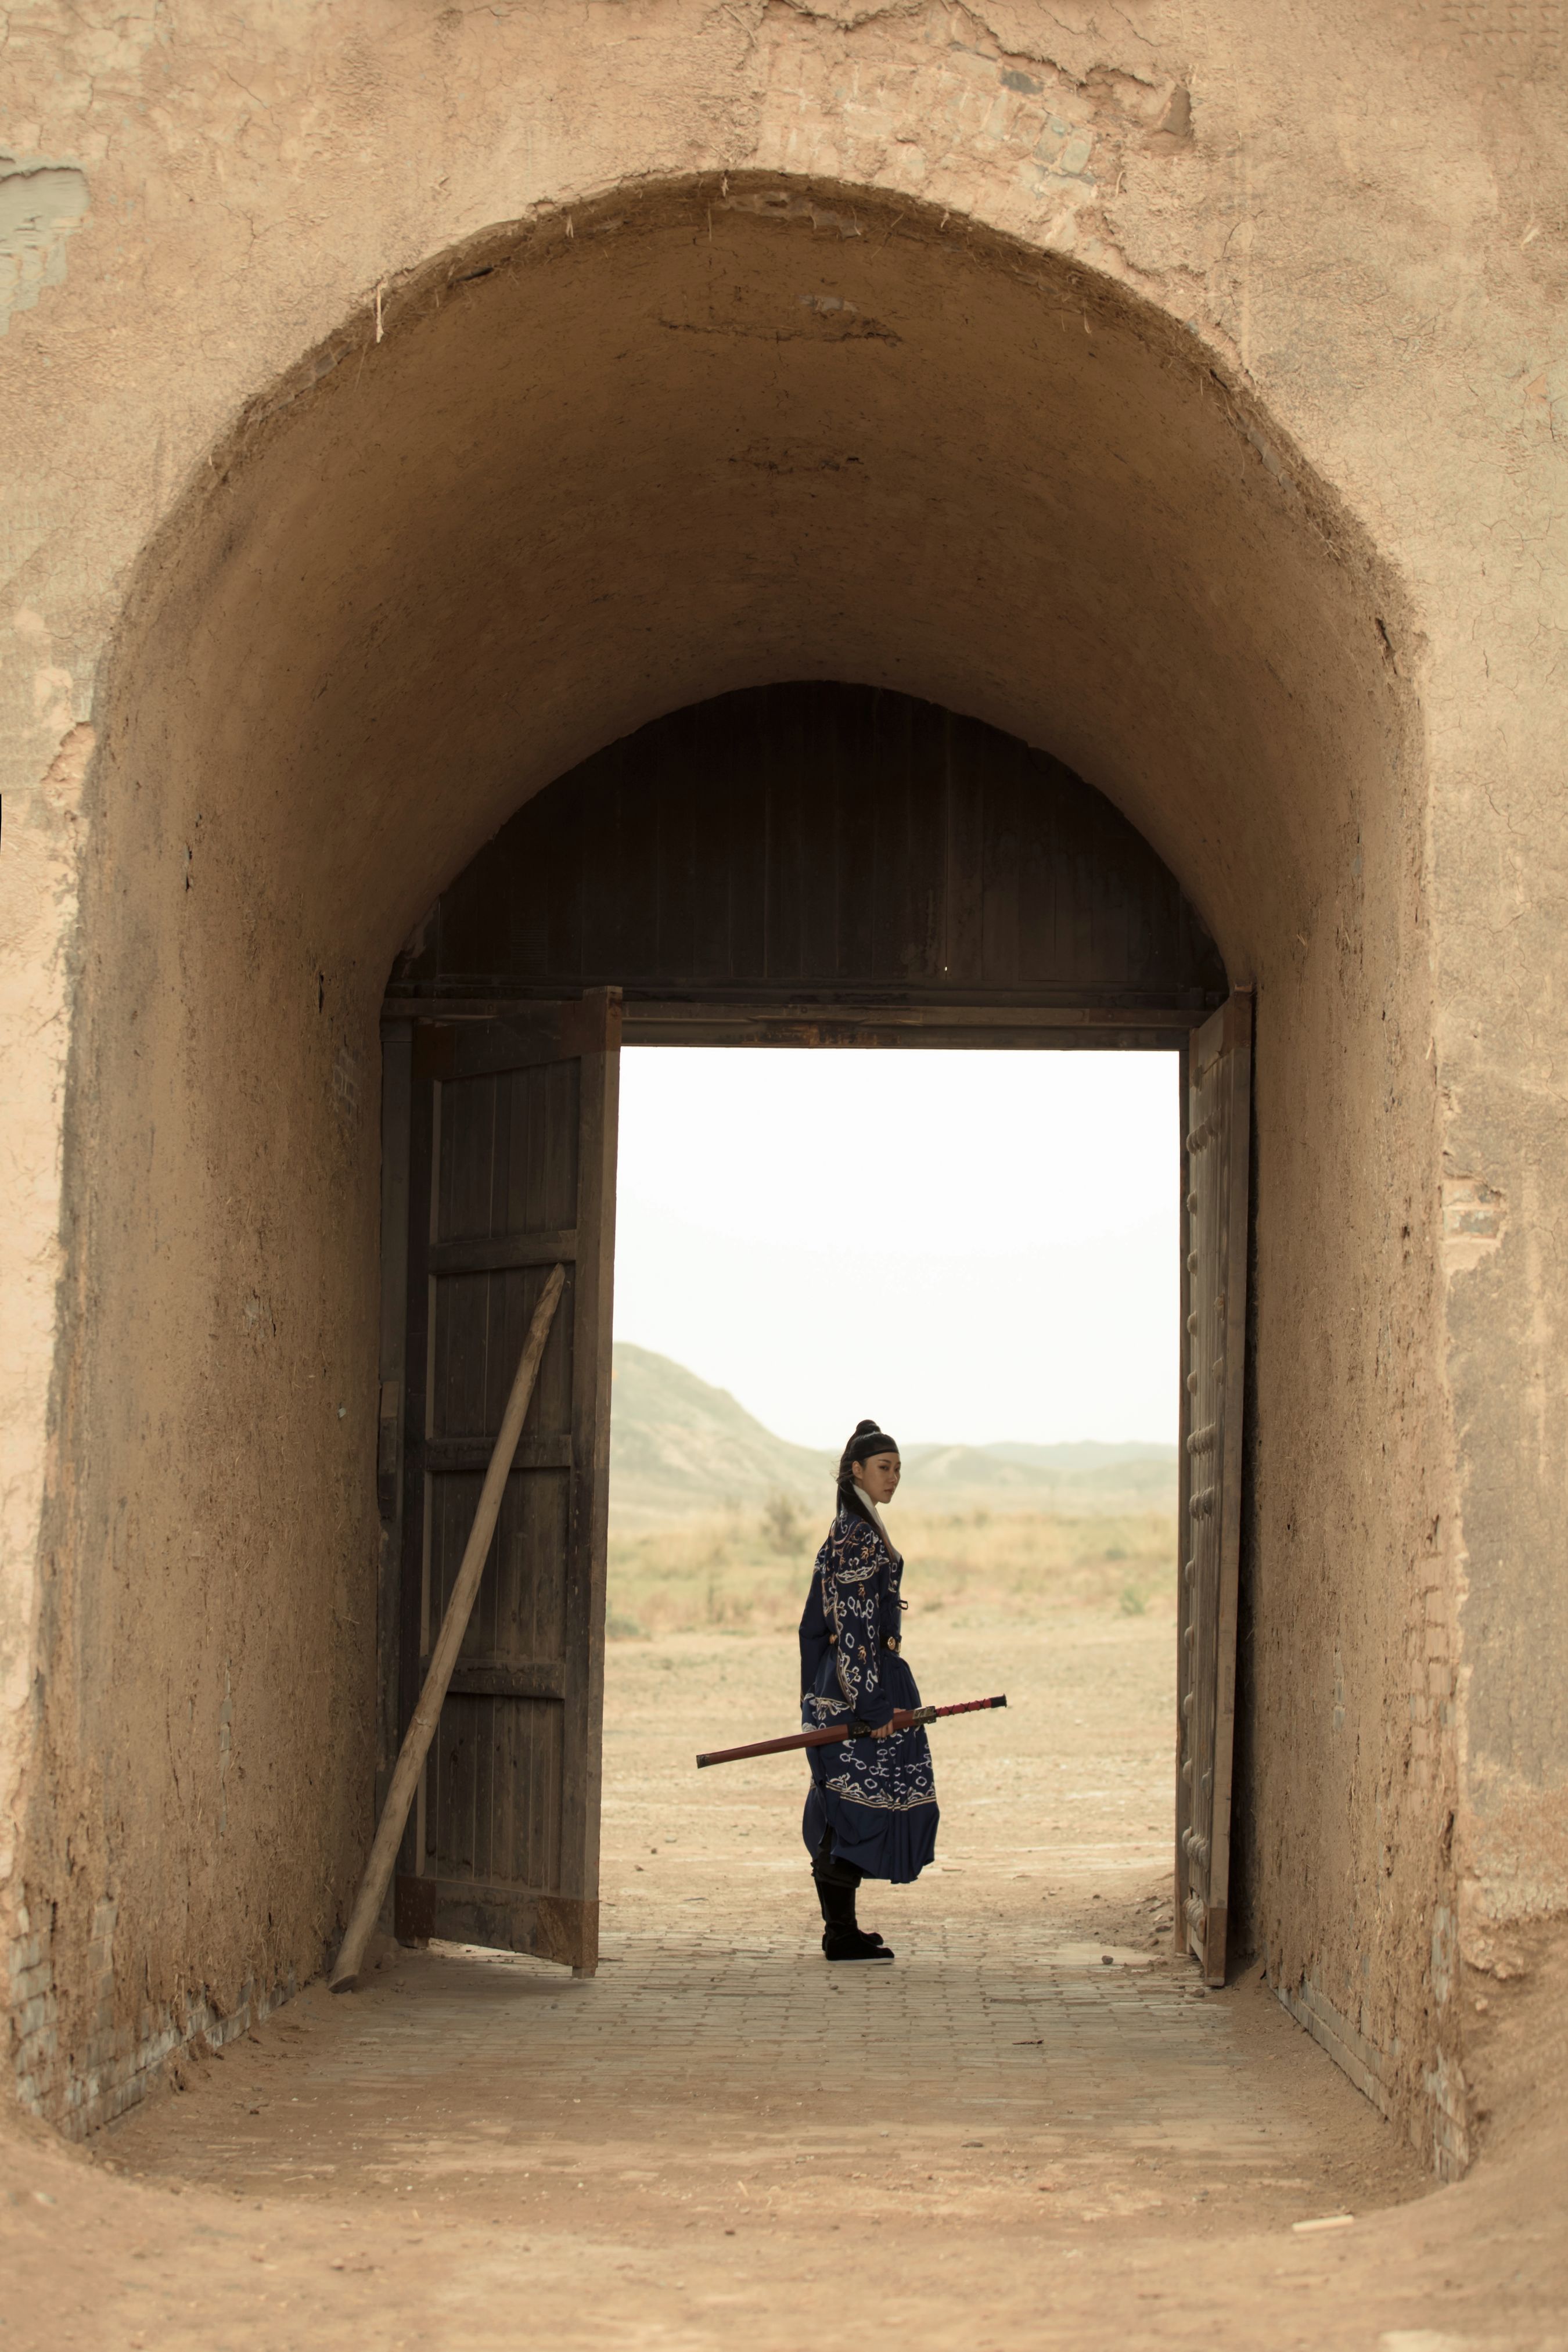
x: 869, y: 1438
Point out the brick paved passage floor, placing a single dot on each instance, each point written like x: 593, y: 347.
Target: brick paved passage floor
x: 1032, y: 2128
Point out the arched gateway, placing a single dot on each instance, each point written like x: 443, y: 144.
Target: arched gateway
x: 699, y: 437
x: 796, y: 865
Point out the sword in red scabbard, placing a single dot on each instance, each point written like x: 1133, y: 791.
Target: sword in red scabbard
x: 904, y: 1719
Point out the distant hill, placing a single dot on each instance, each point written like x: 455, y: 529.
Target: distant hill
x: 1085, y: 1476
x: 679, y: 1447
x: 1084, y: 1454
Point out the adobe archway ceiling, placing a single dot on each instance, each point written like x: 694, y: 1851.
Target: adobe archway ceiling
x: 696, y: 439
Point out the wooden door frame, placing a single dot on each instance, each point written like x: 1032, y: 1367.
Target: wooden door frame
x: 794, y: 1021
x: 397, y: 1114
x: 1208, y: 1586
x: 847, y: 1022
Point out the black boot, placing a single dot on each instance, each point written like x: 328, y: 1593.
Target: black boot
x: 841, y: 1938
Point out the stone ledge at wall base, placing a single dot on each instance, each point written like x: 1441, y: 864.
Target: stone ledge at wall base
x: 121, y: 2064
x: 1368, y: 2067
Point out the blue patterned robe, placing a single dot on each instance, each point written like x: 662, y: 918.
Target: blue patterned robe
x: 877, y: 1796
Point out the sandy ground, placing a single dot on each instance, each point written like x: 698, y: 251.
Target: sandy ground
x: 1033, y: 2129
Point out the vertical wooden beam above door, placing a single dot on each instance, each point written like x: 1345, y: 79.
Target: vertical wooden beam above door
x: 1214, y: 1357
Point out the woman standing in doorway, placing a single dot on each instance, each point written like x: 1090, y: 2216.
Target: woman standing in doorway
x: 871, y: 1812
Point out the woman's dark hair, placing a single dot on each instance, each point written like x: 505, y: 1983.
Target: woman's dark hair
x: 867, y: 1440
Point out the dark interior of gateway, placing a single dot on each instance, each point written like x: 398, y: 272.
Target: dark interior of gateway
x: 825, y: 848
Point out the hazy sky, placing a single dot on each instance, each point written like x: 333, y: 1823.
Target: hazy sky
x: 965, y: 1245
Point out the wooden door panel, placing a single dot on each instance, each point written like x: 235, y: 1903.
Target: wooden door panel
x: 512, y: 1149
x: 509, y: 1152
x: 528, y: 1581
x: 493, y: 1799
x: 520, y: 1612
x: 1216, y: 1145
x: 478, y: 1325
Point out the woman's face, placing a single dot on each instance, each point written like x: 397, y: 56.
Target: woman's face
x: 880, y: 1477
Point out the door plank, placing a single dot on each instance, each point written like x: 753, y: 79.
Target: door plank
x: 500, y: 1253
x: 1184, y: 1427
x: 1217, y: 1146
x: 471, y: 1454
x: 582, y: 1750
x: 504, y: 1917
x: 504, y: 1678
x: 396, y: 1092
x: 426, y: 1051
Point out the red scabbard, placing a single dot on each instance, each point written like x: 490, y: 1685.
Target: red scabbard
x: 905, y: 1718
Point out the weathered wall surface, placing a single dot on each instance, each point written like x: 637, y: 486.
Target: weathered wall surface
x: 1176, y: 389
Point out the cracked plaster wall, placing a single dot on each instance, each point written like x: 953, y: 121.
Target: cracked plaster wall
x: 1362, y: 224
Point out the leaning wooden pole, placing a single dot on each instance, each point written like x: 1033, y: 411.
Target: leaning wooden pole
x: 453, y: 1625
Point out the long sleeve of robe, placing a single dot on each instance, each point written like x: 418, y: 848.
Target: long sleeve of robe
x: 852, y: 1567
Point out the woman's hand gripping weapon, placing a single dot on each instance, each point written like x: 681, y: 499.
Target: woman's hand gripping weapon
x: 905, y: 1718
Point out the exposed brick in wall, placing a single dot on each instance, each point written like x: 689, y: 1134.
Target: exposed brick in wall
x: 1439, y: 2130
x: 78, y: 2091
